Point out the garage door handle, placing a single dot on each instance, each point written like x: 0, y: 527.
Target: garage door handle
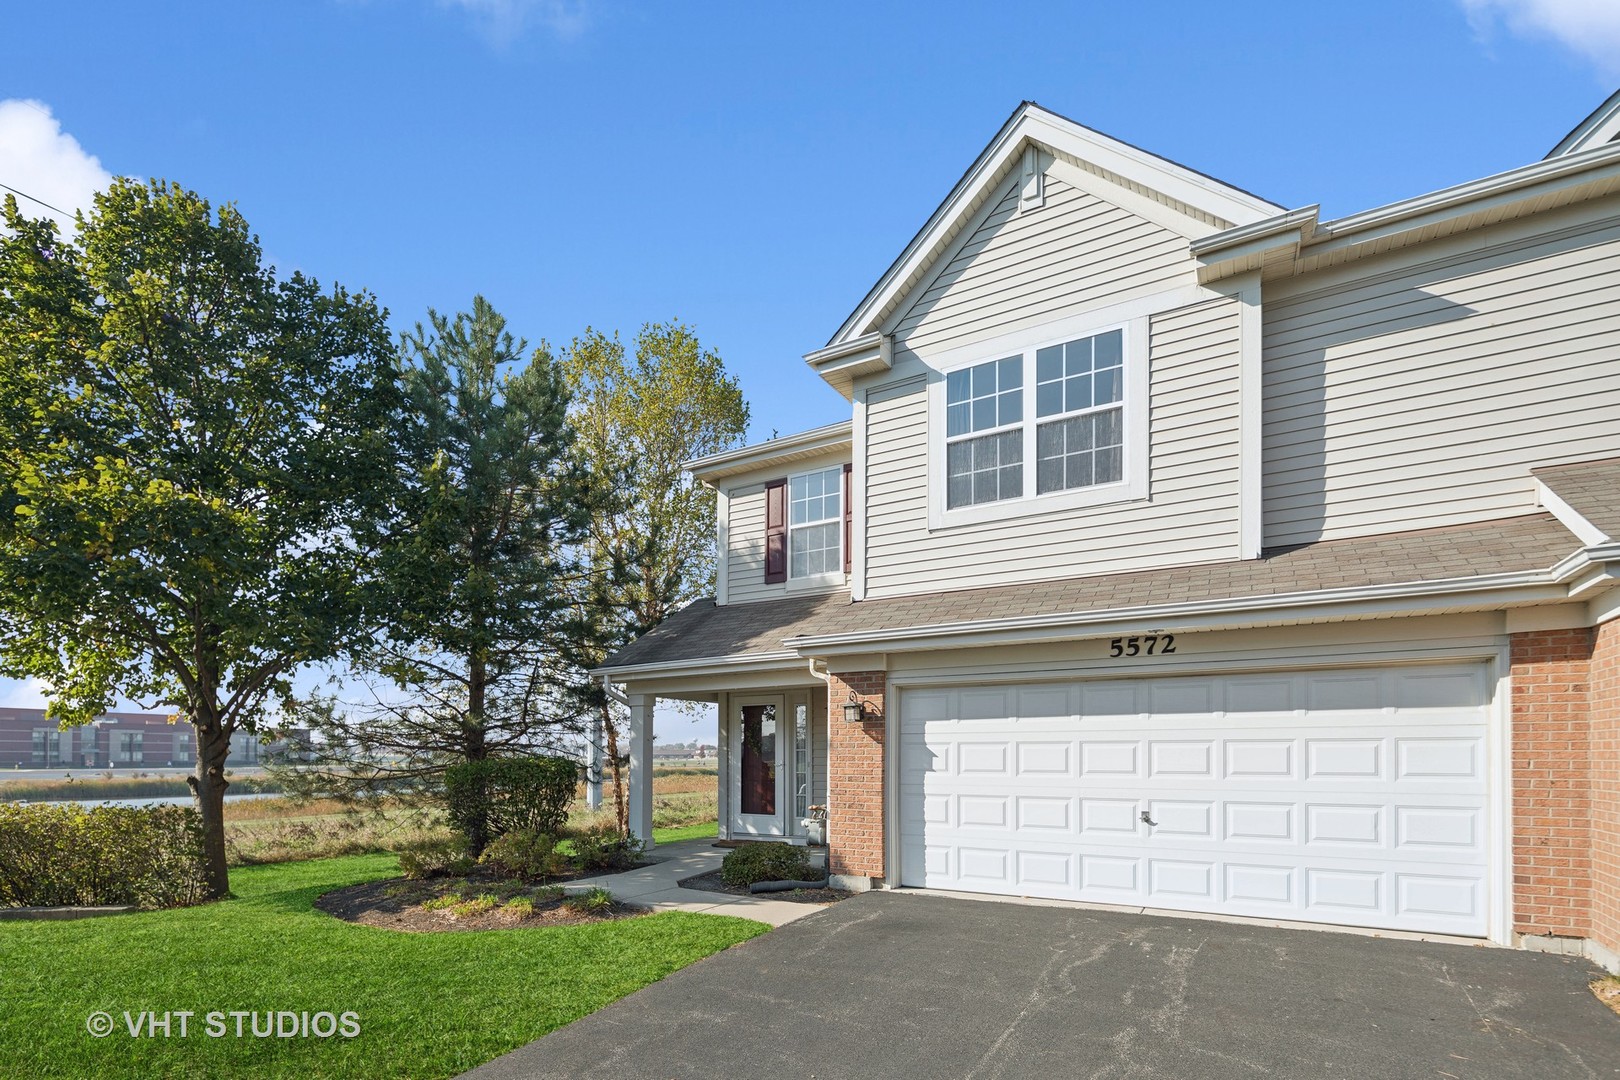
x: 1146, y: 819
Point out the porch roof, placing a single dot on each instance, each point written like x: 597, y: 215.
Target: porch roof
x: 704, y: 631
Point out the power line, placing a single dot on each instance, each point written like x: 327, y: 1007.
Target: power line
x: 32, y: 198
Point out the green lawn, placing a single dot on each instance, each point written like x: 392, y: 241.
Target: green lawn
x: 706, y: 831
x: 429, y: 1005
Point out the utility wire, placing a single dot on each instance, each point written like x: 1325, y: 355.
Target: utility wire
x: 41, y: 202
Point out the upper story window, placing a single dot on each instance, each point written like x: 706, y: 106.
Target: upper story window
x: 816, y: 523
x: 1080, y: 429
x: 1056, y: 419
x: 984, y: 450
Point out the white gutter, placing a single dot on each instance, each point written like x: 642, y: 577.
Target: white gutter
x: 706, y: 665
x: 1300, y: 227
x: 743, y: 458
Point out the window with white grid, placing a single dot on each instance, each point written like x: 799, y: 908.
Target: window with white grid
x: 816, y: 523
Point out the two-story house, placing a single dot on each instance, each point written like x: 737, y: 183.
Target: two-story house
x: 1189, y: 552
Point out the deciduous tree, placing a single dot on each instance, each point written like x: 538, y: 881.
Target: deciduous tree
x: 650, y: 546
x: 193, y: 451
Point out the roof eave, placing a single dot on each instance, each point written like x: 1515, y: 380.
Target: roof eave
x: 1586, y: 570
x: 762, y: 455
x: 1552, y: 182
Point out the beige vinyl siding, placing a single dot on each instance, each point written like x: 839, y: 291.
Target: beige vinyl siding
x: 745, y: 531
x: 1191, y: 514
x: 1401, y: 397
x: 745, y: 558
x: 1020, y: 270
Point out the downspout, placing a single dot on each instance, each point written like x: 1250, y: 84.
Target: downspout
x: 825, y: 676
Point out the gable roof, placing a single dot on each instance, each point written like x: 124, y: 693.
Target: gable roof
x: 1466, y: 560
x: 1130, y: 169
x: 1598, y: 129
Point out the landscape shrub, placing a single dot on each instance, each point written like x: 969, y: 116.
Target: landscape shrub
x: 591, y: 902
x: 526, y: 854
x: 435, y: 858
x: 55, y: 855
x: 600, y: 848
x: 495, y: 796
x: 764, y: 862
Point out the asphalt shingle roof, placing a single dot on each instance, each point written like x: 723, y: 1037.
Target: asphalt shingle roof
x: 1592, y: 488
x: 704, y: 630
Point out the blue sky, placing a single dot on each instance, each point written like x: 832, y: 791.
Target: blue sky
x: 750, y: 169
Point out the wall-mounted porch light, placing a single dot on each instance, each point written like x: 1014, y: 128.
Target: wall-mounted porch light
x: 854, y: 711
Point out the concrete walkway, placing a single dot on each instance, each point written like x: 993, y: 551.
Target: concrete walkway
x: 657, y: 887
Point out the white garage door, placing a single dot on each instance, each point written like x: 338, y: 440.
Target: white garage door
x: 1354, y: 797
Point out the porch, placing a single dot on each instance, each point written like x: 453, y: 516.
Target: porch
x: 772, y: 756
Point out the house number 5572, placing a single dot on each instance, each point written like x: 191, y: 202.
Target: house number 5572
x: 1151, y: 645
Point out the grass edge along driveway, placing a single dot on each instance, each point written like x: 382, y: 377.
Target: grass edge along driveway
x: 428, y: 1005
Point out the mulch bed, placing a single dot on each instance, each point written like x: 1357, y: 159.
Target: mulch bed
x: 396, y: 904
x: 712, y: 882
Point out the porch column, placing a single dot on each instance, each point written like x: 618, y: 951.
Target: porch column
x: 593, y: 763
x: 641, y: 758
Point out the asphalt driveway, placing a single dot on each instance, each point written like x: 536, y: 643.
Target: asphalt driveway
x: 894, y: 985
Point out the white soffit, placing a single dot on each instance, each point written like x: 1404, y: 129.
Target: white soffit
x: 1202, y: 200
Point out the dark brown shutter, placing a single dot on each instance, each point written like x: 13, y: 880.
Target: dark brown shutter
x: 849, y: 516
x: 776, y: 532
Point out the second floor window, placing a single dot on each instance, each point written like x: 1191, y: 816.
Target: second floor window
x: 1075, y: 437
x: 816, y: 523
x: 984, y: 440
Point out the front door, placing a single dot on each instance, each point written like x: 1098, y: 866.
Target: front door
x: 758, y: 803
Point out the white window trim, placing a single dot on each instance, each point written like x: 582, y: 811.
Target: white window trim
x: 833, y: 577
x: 1133, y: 483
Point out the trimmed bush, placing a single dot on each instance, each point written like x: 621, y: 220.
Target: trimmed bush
x: 764, y: 862
x: 495, y: 796
x: 57, y: 855
x: 435, y: 858
x: 526, y: 854
x: 600, y: 848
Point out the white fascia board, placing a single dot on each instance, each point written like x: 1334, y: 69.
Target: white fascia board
x: 1150, y: 170
x: 1569, y: 517
x: 1599, y: 129
x: 1473, y: 196
x: 1032, y: 122
x: 840, y: 365
x: 1252, y: 247
x: 759, y: 455
x: 714, y: 665
x: 1525, y: 587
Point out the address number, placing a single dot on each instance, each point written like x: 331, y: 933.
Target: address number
x: 1151, y: 645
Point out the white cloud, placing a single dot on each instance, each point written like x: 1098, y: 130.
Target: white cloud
x: 504, y: 21
x: 38, y: 157
x: 1588, y: 27
x: 22, y: 695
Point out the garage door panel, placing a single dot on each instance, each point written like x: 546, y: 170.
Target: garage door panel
x: 1353, y: 797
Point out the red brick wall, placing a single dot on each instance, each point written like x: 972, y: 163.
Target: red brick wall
x: 1552, y: 804
x: 855, y: 776
x: 1604, y: 680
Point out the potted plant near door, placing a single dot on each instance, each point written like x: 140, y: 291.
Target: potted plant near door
x: 815, y: 826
